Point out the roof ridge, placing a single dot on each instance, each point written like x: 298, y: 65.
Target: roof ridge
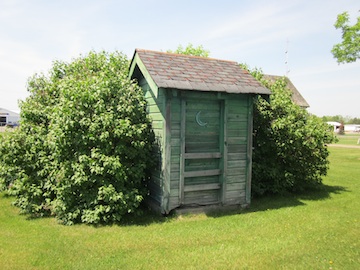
x: 185, y: 55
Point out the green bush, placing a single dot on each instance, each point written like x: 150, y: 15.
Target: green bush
x: 26, y: 157
x: 290, y: 145
x: 88, y: 142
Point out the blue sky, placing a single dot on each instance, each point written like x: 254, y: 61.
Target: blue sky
x: 34, y: 33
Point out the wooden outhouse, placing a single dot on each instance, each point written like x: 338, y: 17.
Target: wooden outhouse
x: 201, y: 111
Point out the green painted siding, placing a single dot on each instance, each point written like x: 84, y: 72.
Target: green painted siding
x: 155, y: 110
x: 175, y: 121
x: 237, y: 144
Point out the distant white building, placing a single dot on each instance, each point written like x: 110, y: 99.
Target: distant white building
x: 9, y: 118
x: 352, y: 128
x: 335, y: 125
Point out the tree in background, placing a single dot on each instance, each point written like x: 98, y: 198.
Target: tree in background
x: 349, y: 49
x: 290, y: 152
x: 341, y: 119
x: 191, y: 50
x: 354, y: 120
x: 86, y: 142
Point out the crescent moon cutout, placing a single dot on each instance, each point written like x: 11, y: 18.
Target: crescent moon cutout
x: 198, y: 120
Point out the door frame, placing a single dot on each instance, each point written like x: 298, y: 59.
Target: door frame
x: 222, y: 155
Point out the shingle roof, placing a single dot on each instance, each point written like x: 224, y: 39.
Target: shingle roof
x: 296, y: 97
x: 185, y: 72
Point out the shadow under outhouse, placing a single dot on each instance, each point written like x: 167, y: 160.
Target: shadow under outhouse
x: 201, y: 111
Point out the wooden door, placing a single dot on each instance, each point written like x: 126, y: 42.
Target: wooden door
x: 201, y: 152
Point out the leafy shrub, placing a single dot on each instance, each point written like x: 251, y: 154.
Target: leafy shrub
x: 26, y: 163
x: 290, y: 145
x: 87, y: 142
x: 103, y: 141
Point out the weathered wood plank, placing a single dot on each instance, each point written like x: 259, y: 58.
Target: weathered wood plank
x: 236, y: 178
x: 235, y: 201
x: 175, y: 167
x: 202, y: 187
x: 199, y: 95
x: 175, y: 141
x: 237, y: 156
x: 174, y: 202
x: 175, y: 150
x: 249, y: 153
x: 202, y: 180
x: 202, y: 173
x: 175, y: 128
x: 235, y: 186
x: 157, y: 125
x: 210, y: 138
x: 224, y: 148
x: 237, y: 100
x: 237, y: 172
x: 237, y: 124
x: 156, y: 116
x: 201, y: 164
x: 237, y: 148
x: 175, y: 159
x: 167, y: 155
x: 194, y: 131
x: 237, y: 140
x: 237, y: 132
x: 202, y: 155
x: 196, y: 147
x: 152, y: 106
x: 237, y: 164
x: 182, y: 152
x: 201, y: 197
x: 235, y: 194
x: 174, y: 184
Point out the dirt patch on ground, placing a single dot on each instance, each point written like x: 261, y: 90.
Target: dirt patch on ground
x: 345, y: 146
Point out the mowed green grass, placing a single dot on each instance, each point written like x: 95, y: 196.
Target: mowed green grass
x: 316, y: 230
x: 349, y: 139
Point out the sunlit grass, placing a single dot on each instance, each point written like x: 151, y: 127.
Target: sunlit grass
x: 317, y: 230
x: 349, y: 139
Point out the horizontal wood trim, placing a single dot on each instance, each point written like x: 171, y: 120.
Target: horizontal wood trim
x: 201, y: 197
x: 202, y: 187
x: 202, y: 173
x: 202, y: 155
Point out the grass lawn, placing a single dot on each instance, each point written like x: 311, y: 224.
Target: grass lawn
x: 317, y: 230
x: 349, y: 139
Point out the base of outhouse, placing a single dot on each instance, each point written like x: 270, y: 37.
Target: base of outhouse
x: 206, y: 209
x: 194, y: 208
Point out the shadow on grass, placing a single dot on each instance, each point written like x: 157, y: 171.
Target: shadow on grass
x: 265, y: 203
x: 145, y: 218
x: 273, y: 202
